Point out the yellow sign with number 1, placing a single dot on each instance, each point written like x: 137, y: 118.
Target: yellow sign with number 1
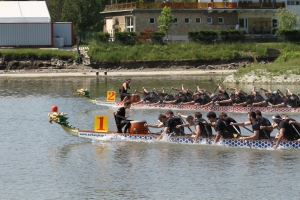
x: 111, y: 96
x: 101, y: 123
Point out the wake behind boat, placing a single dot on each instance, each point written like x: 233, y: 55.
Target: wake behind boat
x: 138, y: 132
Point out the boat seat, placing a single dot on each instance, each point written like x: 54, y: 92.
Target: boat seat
x: 119, y: 126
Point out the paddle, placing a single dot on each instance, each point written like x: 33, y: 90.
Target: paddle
x: 263, y: 131
x: 295, y: 129
x: 183, y: 122
x: 241, y: 135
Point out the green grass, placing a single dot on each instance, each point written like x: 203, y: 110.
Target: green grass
x: 113, y: 52
x: 36, y: 54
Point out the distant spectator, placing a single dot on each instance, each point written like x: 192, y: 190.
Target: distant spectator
x: 237, y: 26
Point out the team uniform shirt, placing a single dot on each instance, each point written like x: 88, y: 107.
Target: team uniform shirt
x: 172, y: 123
x: 222, y: 97
x: 121, y: 112
x: 294, y: 103
x: 202, y: 99
x: 289, y: 133
x: 222, y: 126
x: 228, y: 120
x: 206, y: 131
x: 256, y: 127
x: 264, y: 134
x: 277, y: 100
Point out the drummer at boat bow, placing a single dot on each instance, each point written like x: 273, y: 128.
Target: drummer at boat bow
x: 202, y: 130
x: 120, y: 116
x: 126, y: 85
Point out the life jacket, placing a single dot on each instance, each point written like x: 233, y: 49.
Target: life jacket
x: 206, y: 131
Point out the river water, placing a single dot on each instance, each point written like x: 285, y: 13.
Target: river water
x: 41, y: 161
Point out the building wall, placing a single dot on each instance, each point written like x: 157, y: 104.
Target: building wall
x: 142, y: 19
x: 64, y: 30
x: 26, y: 34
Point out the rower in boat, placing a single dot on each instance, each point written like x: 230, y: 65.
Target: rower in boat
x: 220, y: 126
x: 256, y: 99
x: 120, y: 118
x: 228, y: 121
x: 150, y: 97
x: 255, y: 123
x: 287, y: 130
x: 290, y: 99
x: 222, y: 95
x: 169, y: 122
x: 124, y: 93
x: 202, y: 129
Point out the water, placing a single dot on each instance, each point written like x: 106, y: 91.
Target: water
x: 40, y: 161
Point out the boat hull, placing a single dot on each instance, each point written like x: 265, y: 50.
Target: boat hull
x: 199, y: 108
x: 254, y: 144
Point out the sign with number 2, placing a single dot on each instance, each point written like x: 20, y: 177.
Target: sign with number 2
x: 111, y: 96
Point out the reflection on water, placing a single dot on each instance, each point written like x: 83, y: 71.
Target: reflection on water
x: 40, y: 161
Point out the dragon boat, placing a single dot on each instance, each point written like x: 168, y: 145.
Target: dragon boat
x: 138, y: 132
x: 111, y: 102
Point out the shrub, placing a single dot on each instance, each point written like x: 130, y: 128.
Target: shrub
x: 233, y: 35
x: 128, y: 38
x: 103, y: 37
x: 157, y: 37
x: 290, y: 35
x: 205, y: 36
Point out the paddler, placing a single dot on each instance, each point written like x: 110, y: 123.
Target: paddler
x: 202, y: 130
x: 121, y: 120
x: 220, y: 126
x: 287, y: 130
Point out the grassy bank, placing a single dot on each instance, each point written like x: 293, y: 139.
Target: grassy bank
x: 113, y: 52
x: 287, y: 63
x: 35, y: 54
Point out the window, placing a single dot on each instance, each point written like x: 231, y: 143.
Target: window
x: 209, y: 20
x: 175, y: 20
x: 198, y: 20
x: 187, y: 20
x: 290, y: 2
x: 152, y: 20
x: 129, y: 24
x: 221, y: 20
x: 297, y: 2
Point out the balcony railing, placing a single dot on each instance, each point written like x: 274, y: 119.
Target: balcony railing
x: 201, y: 5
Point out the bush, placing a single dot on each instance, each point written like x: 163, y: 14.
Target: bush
x: 205, y: 36
x: 128, y: 38
x: 290, y: 35
x: 103, y: 37
x: 157, y: 37
x: 233, y: 36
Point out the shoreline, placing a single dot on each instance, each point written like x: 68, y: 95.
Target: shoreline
x: 110, y: 73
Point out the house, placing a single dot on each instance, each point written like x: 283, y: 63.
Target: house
x: 255, y: 17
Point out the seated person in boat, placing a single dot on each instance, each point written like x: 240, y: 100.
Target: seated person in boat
x: 183, y: 96
x: 149, y: 97
x: 263, y: 133
x: 222, y: 95
x: 229, y: 120
x: 275, y: 100
x: 256, y: 99
x: 120, y: 116
x: 255, y: 123
x: 124, y: 94
x: 220, y: 126
x: 202, y: 129
x: 290, y: 99
x: 286, y: 130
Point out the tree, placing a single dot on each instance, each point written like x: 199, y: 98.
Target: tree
x: 85, y: 14
x: 165, y: 20
x: 287, y: 19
